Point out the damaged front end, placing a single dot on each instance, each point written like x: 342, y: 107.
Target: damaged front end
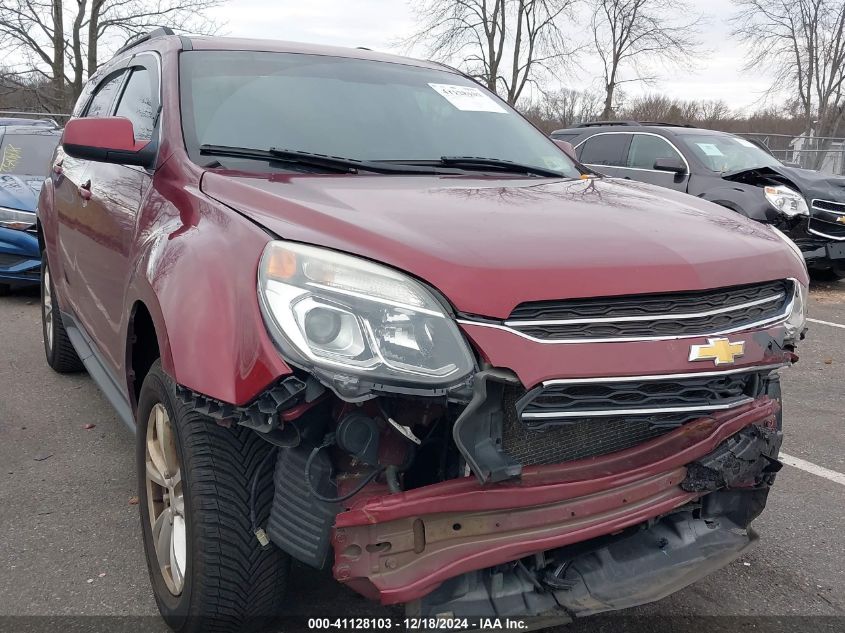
x: 516, y: 472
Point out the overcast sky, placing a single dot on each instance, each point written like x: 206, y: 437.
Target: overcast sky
x: 377, y: 24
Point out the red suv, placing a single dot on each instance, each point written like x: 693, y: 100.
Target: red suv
x: 361, y: 314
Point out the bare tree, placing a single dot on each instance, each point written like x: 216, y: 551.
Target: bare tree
x: 505, y: 44
x: 712, y: 112
x: 802, y: 43
x: 62, y: 40
x: 632, y: 36
x: 562, y: 108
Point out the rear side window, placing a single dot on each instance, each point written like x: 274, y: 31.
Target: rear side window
x: 104, y: 98
x: 645, y: 149
x: 139, y: 103
x: 605, y: 149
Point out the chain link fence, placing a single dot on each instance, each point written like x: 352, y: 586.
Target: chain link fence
x: 58, y: 117
x: 822, y: 153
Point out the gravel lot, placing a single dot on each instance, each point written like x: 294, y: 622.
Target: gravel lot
x: 69, y: 536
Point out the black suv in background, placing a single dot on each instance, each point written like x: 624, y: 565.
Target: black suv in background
x: 729, y: 170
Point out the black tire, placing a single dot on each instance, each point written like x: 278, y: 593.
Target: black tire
x: 61, y: 355
x: 230, y: 582
x: 5, y: 289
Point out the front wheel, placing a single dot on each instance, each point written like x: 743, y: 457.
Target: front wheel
x: 207, y: 569
x: 58, y: 349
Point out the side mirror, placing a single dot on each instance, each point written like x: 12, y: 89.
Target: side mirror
x: 673, y: 165
x: 107, y: 140
x: 567, y: 148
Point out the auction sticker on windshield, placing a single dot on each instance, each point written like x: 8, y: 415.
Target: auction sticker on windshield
x: 467, y: 98
x: 710, y: 149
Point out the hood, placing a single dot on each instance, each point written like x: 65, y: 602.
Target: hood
x: 810, y: 183
x: 20, y: 192
x: 490, y: 244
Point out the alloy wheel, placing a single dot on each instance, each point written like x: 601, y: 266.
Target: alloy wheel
x: 47, y: 307
x: 165, y: 496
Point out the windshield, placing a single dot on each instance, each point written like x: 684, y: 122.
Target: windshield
x: 27, y: 154
x: 723, y: 153
x: 350, y: 108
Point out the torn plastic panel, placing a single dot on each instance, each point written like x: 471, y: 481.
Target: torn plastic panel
x: 400, y: 547
x: 262, y: 414
x: 269, y: 413
x: 748, y: 458
x: 640, y: 566
x: 478, y: 430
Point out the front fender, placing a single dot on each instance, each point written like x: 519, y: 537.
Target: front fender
x: 197, y: 273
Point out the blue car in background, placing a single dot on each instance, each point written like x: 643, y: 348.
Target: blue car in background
x: 25, y: 153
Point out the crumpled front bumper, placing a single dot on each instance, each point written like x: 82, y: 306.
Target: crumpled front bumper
x: 400, y: 547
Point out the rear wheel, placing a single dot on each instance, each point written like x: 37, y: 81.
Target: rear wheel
x: 207, y: 569
x: 61, y: 355
x: 4, y: 289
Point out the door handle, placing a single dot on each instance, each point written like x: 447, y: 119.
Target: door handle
x: 85, y: 190
x: 57, y: 167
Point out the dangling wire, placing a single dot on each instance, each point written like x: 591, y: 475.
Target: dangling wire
x: 326, y: 443
x: 254, y: 485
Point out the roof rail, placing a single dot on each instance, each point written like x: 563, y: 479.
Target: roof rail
x: 664, y: 124
x: 601, y: 123
x: 632, y: 123
x: 134, y: 41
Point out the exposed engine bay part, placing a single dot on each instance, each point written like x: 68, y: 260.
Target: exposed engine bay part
x: 358, y: 435
x: 637, y: 567
x: 399, y: 547
x: 478, y: 430
x: 343, y: 451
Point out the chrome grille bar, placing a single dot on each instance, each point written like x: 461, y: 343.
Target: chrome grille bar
x: 648, y: 317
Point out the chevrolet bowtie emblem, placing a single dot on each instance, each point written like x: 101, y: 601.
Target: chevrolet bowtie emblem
x: 719, y: 350
x: 841, y: 219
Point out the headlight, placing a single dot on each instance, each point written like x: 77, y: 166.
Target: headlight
x: 797, y: 319
x: 15, y: 219
x: 787, y: 201
x: 357, y: 323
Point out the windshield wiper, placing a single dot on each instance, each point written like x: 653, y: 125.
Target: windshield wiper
x: 499, y: 164
x: 332, y: 163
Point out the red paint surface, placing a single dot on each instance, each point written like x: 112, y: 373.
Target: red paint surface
x: 490, y: 244
x: 536, y: 362
x: 175, y: 241
x: 113, y: 133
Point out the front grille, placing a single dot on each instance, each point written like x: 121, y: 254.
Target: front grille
x: 582, y: 438
x: 571, y: 400
x: 825, y: 219
x: 692, y: 313
x: 829, y: 205
x: 563, y: 421
x: 835, y: 230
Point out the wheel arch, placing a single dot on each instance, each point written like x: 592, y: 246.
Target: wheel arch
x: 146, y: 341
